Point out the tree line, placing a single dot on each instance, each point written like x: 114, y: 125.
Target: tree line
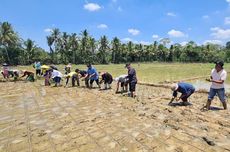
x: 82, y: 48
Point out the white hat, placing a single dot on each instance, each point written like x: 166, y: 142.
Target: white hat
x: 174, y: 87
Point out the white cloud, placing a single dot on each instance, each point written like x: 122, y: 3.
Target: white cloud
x: 92, y: 7
x: 213, y: 42
x: 175, y: 33
x: 134, y: 31
x: 127, y: 39
x: 228, y: 1
x: 205, y: 17
x: 227, y: 20
x: 48, y: 30
x: 171, y: 14
x: 102, y: 26
x: 144, y: 42
x: 183, y: 43
x: 219, y: 33
x: 155, y: 36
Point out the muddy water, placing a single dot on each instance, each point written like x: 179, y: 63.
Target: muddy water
x: 201, y: 84
x: 38, y: 118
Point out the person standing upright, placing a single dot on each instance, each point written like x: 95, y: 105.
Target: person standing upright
x: 37, y: 66
x: 132, y: 79
x: 218, y: 76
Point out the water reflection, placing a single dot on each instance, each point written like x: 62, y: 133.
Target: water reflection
x: 201, y: 84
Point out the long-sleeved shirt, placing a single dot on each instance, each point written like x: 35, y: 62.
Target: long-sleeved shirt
x: 132, y: 75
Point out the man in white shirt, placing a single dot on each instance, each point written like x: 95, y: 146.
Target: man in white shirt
x: 56, y: 76
x: 218, y: 76
x: 123, y: 81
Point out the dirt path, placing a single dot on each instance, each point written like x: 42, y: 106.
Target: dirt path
x: 38, y: 118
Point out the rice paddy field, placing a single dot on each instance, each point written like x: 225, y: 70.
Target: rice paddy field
x: 34, y: 117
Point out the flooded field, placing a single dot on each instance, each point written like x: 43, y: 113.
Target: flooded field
x: 38, y: 118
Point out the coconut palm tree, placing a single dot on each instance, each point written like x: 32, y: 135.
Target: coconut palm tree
x: 116, y: 44
x: 103, y: 49
x: 29, y: 48
x: 50, y: 41
x: 8, y: 37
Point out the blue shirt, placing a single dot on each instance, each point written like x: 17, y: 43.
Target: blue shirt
x: 38, y: 65
x: 184, y: 88
x: 91, y: 71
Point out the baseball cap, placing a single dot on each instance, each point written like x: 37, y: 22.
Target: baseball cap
x: 127, y: 64
x: 221, y: 63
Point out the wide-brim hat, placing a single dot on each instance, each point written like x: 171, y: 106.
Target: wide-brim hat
x: 4, y: 64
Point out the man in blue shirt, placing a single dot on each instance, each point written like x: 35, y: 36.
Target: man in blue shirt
x: 92, y: 75
x: 37, y: 66
x: 185, y: 89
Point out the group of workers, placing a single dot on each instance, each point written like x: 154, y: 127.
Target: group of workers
x: 51, y: 73
x: 90, y: 75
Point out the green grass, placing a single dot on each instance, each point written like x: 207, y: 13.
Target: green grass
x: 156, y: 72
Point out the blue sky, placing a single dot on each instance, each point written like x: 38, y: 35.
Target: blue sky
x: 142, y: 21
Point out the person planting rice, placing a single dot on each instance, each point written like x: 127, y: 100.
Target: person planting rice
x: 29, y: 74
x: 122, y: 81
x: 68, y: 68
x: 132, y: 79
x: 218, y: 77
x: 186, y: 91
x: 12, y: 73
x: 107, y: 79
x: 93, y: 76
x: 73, y: 76
x: 56, y: 76
x: 47, y: 76
x: 15, y: 74
x: 82, y: 74
x: 44, y: 68
x: 5, y: 71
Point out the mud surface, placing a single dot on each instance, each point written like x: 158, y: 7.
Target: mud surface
x: 38, y: 118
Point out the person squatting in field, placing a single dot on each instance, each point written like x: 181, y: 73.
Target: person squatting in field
x: 122, y: 81
x: 68, y: 68
x: 11, y: 73
x: 73, y: 76
x: 186, y: 91
x: 218, y: 77
x: 47, y: 76
x: 56, y: 76
x: 107, y: 79
x: 82, y: 74
x: 29, y: 74
x: 93, y: 76
x: 5, y: 71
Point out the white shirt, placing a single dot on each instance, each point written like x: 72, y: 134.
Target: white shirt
x: 221, y: 75
x: 121, y: 78
x: 56, y: 73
